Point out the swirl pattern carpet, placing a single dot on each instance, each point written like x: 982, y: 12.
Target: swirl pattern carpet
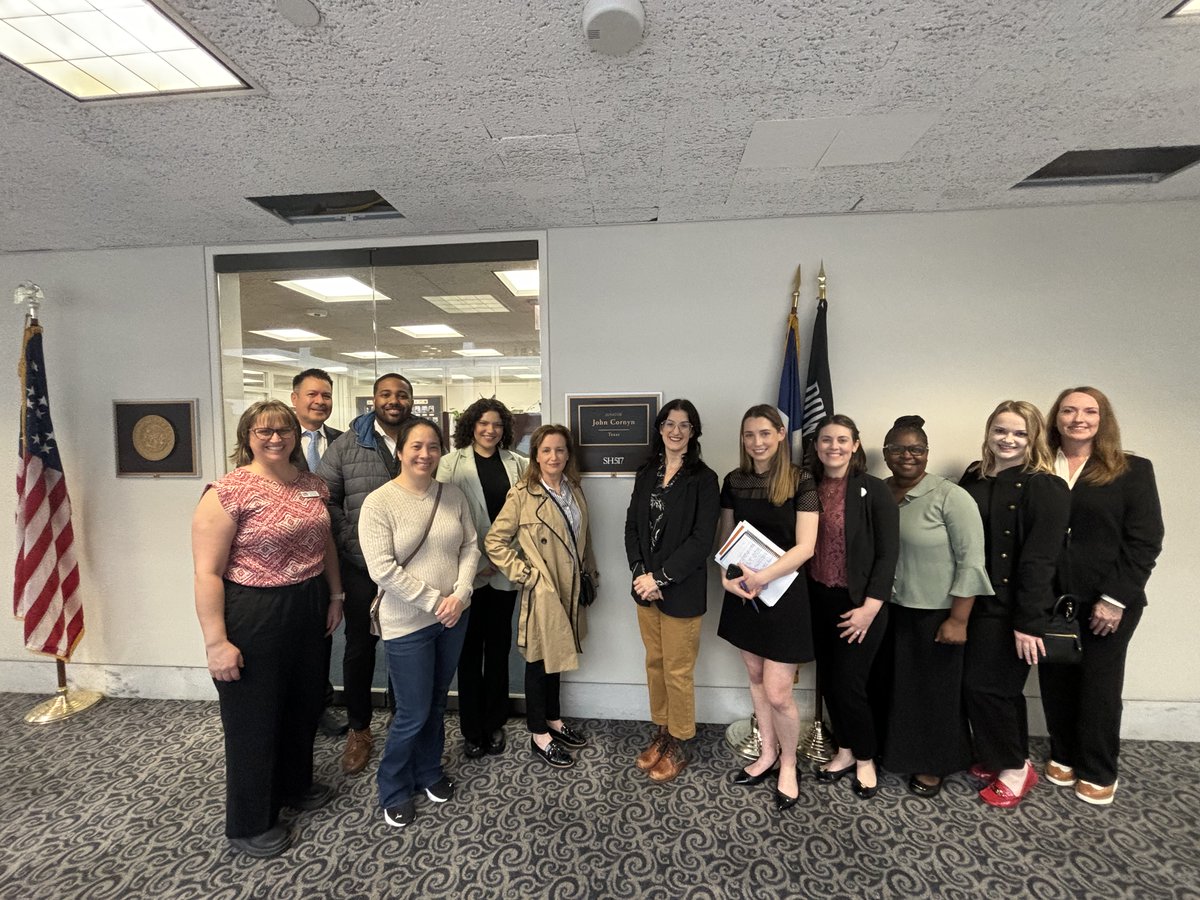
x: 126, y: 801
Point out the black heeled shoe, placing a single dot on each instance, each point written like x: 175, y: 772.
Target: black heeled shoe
x: 782, y: 801
x: 742, y: 777
x: 828, y: 776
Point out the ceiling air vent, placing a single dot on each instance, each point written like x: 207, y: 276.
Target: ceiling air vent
x: 1130, y: 165
x: 338, y: 206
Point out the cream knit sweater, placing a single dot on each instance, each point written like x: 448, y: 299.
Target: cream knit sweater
x: 390, y: 526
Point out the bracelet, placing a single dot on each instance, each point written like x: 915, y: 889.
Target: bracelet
x: 341, y: 596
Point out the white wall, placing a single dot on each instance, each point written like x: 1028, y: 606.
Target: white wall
x: 943, y: 314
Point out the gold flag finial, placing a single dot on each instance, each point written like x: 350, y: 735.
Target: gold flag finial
x: 796, y: 290
x: 821, y: 282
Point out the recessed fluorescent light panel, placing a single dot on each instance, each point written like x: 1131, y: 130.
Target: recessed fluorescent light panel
x: 527, y: 377
x: 520, y: 282
x: 473, y: 352
x: 1189, y: 8
x: 294, y: 335
x: 108, y: 49
x: 468, y: 303
x: 427, y: 331
x: 269, y: 357
x: 336, y: 289
x: 370, y: 354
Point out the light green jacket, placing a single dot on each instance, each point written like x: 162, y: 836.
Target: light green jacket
x: 941, y: 547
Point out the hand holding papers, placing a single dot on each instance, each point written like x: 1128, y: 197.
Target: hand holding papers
x: 749, y: 548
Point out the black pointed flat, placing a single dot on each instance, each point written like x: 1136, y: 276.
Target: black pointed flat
x: 865, y: 793
x: 742, y: 777
x: 830, y: 775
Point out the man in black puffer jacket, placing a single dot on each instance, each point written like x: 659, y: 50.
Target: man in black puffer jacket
x: 358, y: 462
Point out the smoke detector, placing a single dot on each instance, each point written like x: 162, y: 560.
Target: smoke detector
x: 614, y: 27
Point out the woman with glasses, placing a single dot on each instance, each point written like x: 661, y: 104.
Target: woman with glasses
x: 268, y: 593
x: 938, y: 575
x: 484, y: 469
x: 849, y: 583
x: 780, y: 500
x: 1025, y: 510
x: 541, y: 541
x: 669, y: 531
x: 1116, y: 536
x: 418, y: 539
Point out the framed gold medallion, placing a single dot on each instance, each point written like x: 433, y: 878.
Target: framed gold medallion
x: 155, y: 438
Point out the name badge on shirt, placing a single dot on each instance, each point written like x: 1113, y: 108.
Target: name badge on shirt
x: 310, y: 494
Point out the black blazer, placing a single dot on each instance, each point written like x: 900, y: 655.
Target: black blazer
x: 331, y: 434
x: 1116, y: 535
x: 1025, y: 520
x: 693, y: 506
x: 872, y: 538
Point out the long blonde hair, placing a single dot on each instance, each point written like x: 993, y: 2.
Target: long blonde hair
x: 1038, y: 457
x: 1107, y: 462
x: 782, y: 476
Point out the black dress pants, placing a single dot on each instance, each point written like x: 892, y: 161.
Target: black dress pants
x: 270, y: 714
x: 358, y: 661
x: 541, y: 697
x: 483, y: 666
x: 844, y: 668
x: 1083, y: 702
x: 994, y: 691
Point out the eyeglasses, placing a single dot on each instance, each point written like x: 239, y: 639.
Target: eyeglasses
x: 265, y: 434
x: 914, y: 450
x: 681, y: 427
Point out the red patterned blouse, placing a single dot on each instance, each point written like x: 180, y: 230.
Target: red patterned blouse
x: 281, y: 528
x: 828, y: 565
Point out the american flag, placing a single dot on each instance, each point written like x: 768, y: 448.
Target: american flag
x: 46, y: 585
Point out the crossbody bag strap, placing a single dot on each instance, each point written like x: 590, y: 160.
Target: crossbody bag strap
x: 437, y: 499
x: 567, y: 519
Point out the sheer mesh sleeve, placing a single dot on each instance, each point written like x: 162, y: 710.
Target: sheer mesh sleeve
x: 805, y: 499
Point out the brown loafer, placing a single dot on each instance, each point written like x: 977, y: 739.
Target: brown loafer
x: 673, y: 761
x: 358, y: 751
x: 652, y: 754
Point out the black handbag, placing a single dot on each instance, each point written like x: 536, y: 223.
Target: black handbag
x: 1063, y: 641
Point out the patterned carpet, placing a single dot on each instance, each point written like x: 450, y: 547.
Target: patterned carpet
x: 126, y: 801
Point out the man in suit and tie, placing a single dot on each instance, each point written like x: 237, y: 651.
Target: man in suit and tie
x: 312, y: 398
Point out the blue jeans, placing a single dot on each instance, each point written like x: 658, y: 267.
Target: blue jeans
x: 420, y: 666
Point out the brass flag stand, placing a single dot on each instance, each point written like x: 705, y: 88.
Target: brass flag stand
x: 41, y: 532
x: 64, y: 704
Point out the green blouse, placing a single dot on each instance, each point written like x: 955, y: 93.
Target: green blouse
x: 941, y: 547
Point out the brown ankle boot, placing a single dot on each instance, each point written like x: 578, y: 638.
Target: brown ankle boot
x: 357, y: 752
x: 648, y: 757
x: 673, y: 761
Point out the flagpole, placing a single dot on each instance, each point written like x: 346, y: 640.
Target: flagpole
x: 817, y: 745
x: 65, y: 702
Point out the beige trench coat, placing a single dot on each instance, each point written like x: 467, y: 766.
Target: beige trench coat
x: 530, y: 543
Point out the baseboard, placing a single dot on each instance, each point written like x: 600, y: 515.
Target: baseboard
x: 1151, y: 720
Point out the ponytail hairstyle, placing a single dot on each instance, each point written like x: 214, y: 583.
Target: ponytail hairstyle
x: 782, y: 476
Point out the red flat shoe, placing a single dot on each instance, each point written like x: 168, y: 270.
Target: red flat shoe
x: 998, y: 793
x: 978, y: 771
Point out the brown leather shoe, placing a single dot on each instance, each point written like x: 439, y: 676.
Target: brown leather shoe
x: 651, y: 755
x: 671, y: 763
x: 358, y: 751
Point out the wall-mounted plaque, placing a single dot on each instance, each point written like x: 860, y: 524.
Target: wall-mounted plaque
x: 614, y: 433
x: 155, y: 438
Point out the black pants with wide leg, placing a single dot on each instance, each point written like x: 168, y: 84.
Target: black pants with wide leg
x: 483, y: 666
x: 358, y: 661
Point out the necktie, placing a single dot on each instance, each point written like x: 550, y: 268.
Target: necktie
x: 314, y: 450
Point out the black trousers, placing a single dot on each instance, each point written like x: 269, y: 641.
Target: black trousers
x: 1083, y: 702
x: 483, y: 666
x: 927, y: 726
x: 270, y: 714
x: 994, y: 691
x: 358, y: 661
x: 541, y: 697
x: 844, y: 668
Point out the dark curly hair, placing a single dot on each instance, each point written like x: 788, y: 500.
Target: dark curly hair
x: 464, y: 428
